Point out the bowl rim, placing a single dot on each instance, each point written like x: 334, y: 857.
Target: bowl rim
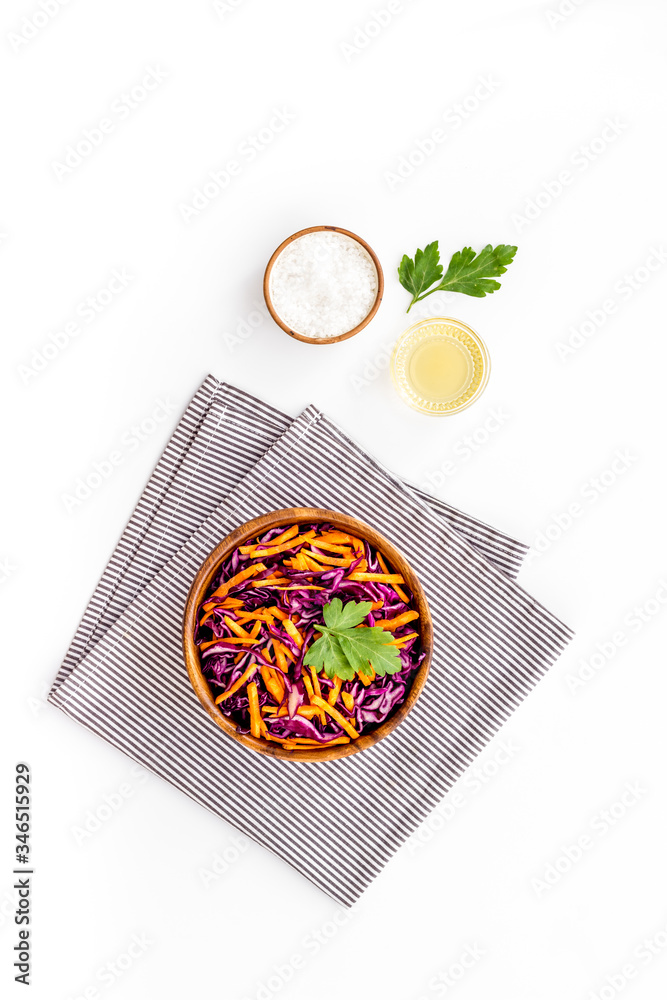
x: 203, y: 579
x: 343, y: 336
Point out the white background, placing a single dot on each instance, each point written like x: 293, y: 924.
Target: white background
x: 475, y: 877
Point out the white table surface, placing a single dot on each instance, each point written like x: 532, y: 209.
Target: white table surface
x: 565, y: 450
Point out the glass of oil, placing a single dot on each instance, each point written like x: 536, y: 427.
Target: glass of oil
x: 440, y: 366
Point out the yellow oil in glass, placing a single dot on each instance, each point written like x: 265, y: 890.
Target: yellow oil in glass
x: 439, y: 369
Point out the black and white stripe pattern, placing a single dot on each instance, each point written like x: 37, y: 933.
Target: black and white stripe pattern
x: 338, y: 822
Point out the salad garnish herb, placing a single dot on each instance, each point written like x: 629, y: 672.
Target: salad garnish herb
x: 346, y: 647
x: 468, y: 272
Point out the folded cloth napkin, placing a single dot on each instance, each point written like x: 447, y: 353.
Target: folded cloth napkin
x: 232, y: 458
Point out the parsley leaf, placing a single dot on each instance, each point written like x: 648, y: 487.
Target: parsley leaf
x: 335, y: 616
x: 468, y: 272
x: 419, y: 274
x: 471, y: 273
x: 371, y: 645
x: 346, y: 647
x: 326, y: 653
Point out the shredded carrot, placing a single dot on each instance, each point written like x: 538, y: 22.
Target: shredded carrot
x: 273, y: 684
x: 279, y: 613
x: 237, y: 684
x: 280, y: 656
x: 340, y: 537
x: 236, y: 628
x: 335, y: 691
x: 251, y: 616
x: 303, y: 743
x: 348, y: 700
x: 394, y: 623
x: 269, y: 581
x: 239, y: 657
x: 360, y: 553
x: 308, y: 685
x: 273, y: 550
x: 287, y: 652
x: 311, y: 564
x: 245, y: 574
x: 328, y: 560
x: 342, y: 550
x: 229, y: 602
x: 401, y: 641
x: 308, y: 711
x: 401, y: 593
x: 377, y: 577
x: 293, y: 632
x: 253, y: 705
x: 255, y: 630
x: 300, y: 587
x: 366, y: 679
x: 336, y: 715
x: 278, y: 540
x: 317, y: 691
x: 233, y: 640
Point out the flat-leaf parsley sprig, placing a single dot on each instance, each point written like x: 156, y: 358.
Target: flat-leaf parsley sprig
x: 346, y: 647
x: 468, y: 272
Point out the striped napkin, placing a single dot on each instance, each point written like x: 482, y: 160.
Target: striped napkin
x: 233, y: 457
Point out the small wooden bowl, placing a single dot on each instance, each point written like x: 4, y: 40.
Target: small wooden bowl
x: 343, y: 336
x: 204, y: 578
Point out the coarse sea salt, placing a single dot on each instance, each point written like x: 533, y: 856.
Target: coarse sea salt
x: 323, y: 284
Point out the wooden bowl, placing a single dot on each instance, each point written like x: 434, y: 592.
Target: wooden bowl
x: 204, y: 578
x: 343, y: 336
